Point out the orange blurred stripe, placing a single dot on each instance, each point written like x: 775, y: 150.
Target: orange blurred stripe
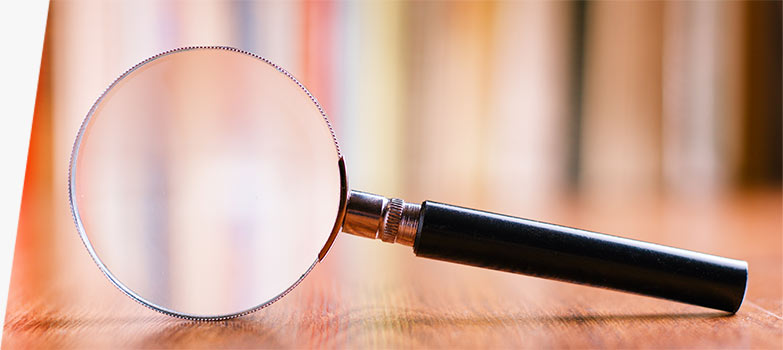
x: 317, y: 59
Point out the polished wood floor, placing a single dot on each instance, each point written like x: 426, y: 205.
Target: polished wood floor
x: 370, y: 294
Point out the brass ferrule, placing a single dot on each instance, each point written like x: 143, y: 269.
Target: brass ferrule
x: 376, y: 217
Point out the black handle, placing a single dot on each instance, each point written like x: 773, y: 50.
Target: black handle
x: 512, y: 244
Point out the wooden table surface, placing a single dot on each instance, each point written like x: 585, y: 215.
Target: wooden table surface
x: 371, y: 294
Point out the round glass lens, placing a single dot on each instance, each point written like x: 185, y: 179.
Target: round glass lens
x: 205, y: 182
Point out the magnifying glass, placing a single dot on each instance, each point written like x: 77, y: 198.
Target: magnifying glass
x: 207, y: 182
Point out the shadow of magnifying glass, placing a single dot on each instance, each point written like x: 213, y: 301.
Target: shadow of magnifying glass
x: 336, y: 329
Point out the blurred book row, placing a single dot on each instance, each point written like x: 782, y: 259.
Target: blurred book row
x: 479, y: 102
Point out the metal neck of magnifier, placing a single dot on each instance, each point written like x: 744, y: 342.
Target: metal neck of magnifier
x: 478, y: 238
x: 388, y: 219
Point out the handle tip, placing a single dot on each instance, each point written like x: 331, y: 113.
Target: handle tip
x: 745, y: 290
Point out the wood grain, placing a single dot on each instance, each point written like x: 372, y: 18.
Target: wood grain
x: 369, y: 294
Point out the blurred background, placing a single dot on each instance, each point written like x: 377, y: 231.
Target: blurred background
x: 517, y: 107
x: 479, y: 103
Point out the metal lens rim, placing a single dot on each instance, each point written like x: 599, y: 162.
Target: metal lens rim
x: 113, y: 279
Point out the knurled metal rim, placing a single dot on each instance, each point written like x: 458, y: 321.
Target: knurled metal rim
x: 391, y: 221
x: 87, y: 244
